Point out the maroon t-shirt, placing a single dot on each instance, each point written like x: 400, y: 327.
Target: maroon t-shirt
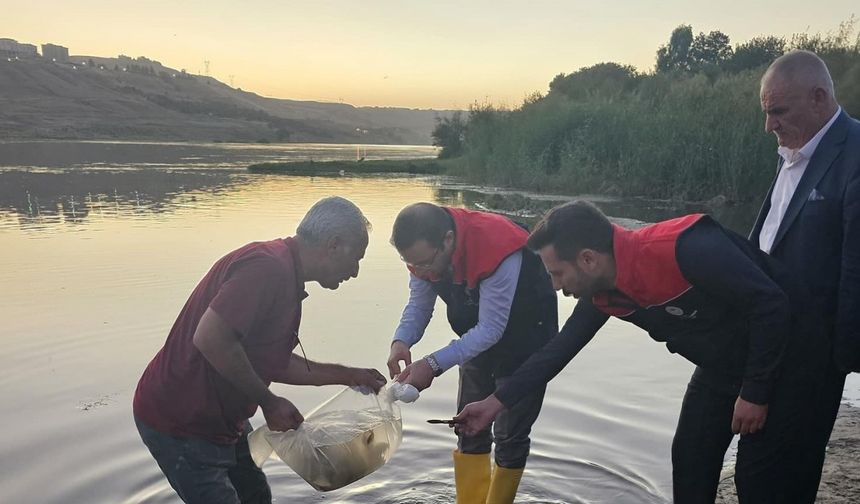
x: 258, y: 291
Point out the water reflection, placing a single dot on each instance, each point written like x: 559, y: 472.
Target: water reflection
x: 48, y: 184
x: 127, y: 179
x: 44, y: 198
x: 62, y: 154
x: 38, y: 200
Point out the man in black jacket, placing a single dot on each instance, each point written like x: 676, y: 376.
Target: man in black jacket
x: 810, y: 221
x: 712, y: 297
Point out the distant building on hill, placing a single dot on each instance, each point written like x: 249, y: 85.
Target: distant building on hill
x: 56, y: 53
x: 10, y: 48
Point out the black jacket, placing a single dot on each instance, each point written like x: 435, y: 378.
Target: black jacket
x: 733, y: 316
x: 819, y: 238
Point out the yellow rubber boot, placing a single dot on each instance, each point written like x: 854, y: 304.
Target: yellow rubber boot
x: 471, y: 477
x: 503, y: 485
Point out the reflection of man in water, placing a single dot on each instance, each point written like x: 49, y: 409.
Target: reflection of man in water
x: 235, y: 335
x: 712, y: 297
x: 501, y: 303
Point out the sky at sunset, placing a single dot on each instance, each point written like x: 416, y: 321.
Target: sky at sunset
x: 420, y: 54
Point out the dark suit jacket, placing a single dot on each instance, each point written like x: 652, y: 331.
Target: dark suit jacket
x: 819, y: 238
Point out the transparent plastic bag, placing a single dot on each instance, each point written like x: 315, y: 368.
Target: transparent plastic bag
x: 341, y: 441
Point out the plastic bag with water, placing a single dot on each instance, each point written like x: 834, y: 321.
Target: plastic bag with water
x: 341, y: 441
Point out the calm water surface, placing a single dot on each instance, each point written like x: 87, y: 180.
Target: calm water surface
x: 100, y: 246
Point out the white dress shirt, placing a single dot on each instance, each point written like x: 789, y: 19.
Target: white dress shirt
x: 793, y: 166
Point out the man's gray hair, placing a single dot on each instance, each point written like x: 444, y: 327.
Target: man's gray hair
x: 334, y: 217
x: 801, y: 69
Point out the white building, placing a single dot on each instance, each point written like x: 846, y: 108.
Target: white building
x: 55, y: 52
x: 10, y: 48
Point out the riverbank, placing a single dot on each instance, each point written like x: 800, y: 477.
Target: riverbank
x: 840, y: 480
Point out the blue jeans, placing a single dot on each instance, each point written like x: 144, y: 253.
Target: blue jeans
x: 207, y: 473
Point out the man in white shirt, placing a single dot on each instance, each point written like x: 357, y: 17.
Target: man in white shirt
x: 810, y: 220
x: 794, y: 163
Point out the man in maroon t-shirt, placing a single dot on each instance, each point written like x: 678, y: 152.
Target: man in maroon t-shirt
x: 234, y: 336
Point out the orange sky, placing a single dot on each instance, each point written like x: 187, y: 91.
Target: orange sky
x: 440, y: 54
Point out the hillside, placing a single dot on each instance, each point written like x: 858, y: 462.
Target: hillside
x: 124, y: 98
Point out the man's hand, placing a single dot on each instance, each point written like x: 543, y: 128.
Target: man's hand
x: 749, y: 418
x: 476, y: 416
x: 419, y: 374
x: 281, y: 415
x: 370, y: 378
x: 399, y: 352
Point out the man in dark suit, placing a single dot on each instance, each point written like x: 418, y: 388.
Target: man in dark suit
x: 810, y: 221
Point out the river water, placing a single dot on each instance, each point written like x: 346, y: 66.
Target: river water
x: 101, y: 244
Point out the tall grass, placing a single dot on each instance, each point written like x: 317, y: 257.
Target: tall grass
x: 682, y: 135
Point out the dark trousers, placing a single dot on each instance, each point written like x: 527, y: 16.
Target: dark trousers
x: 779, y: 464
x: 206, y: 473
x: 828, y: 398
x: 511, y: 429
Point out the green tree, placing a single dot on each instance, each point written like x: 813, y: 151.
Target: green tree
x: 449, y: 134
x: 676, y: 55
x: 839, y: 42
x: 713, y: 49
x: 602, y: 79
x: 754, y: 53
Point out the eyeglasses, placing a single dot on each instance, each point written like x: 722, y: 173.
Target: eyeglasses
x: 424, y: 265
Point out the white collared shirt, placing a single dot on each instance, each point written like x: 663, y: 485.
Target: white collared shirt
x: 793, y: 167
